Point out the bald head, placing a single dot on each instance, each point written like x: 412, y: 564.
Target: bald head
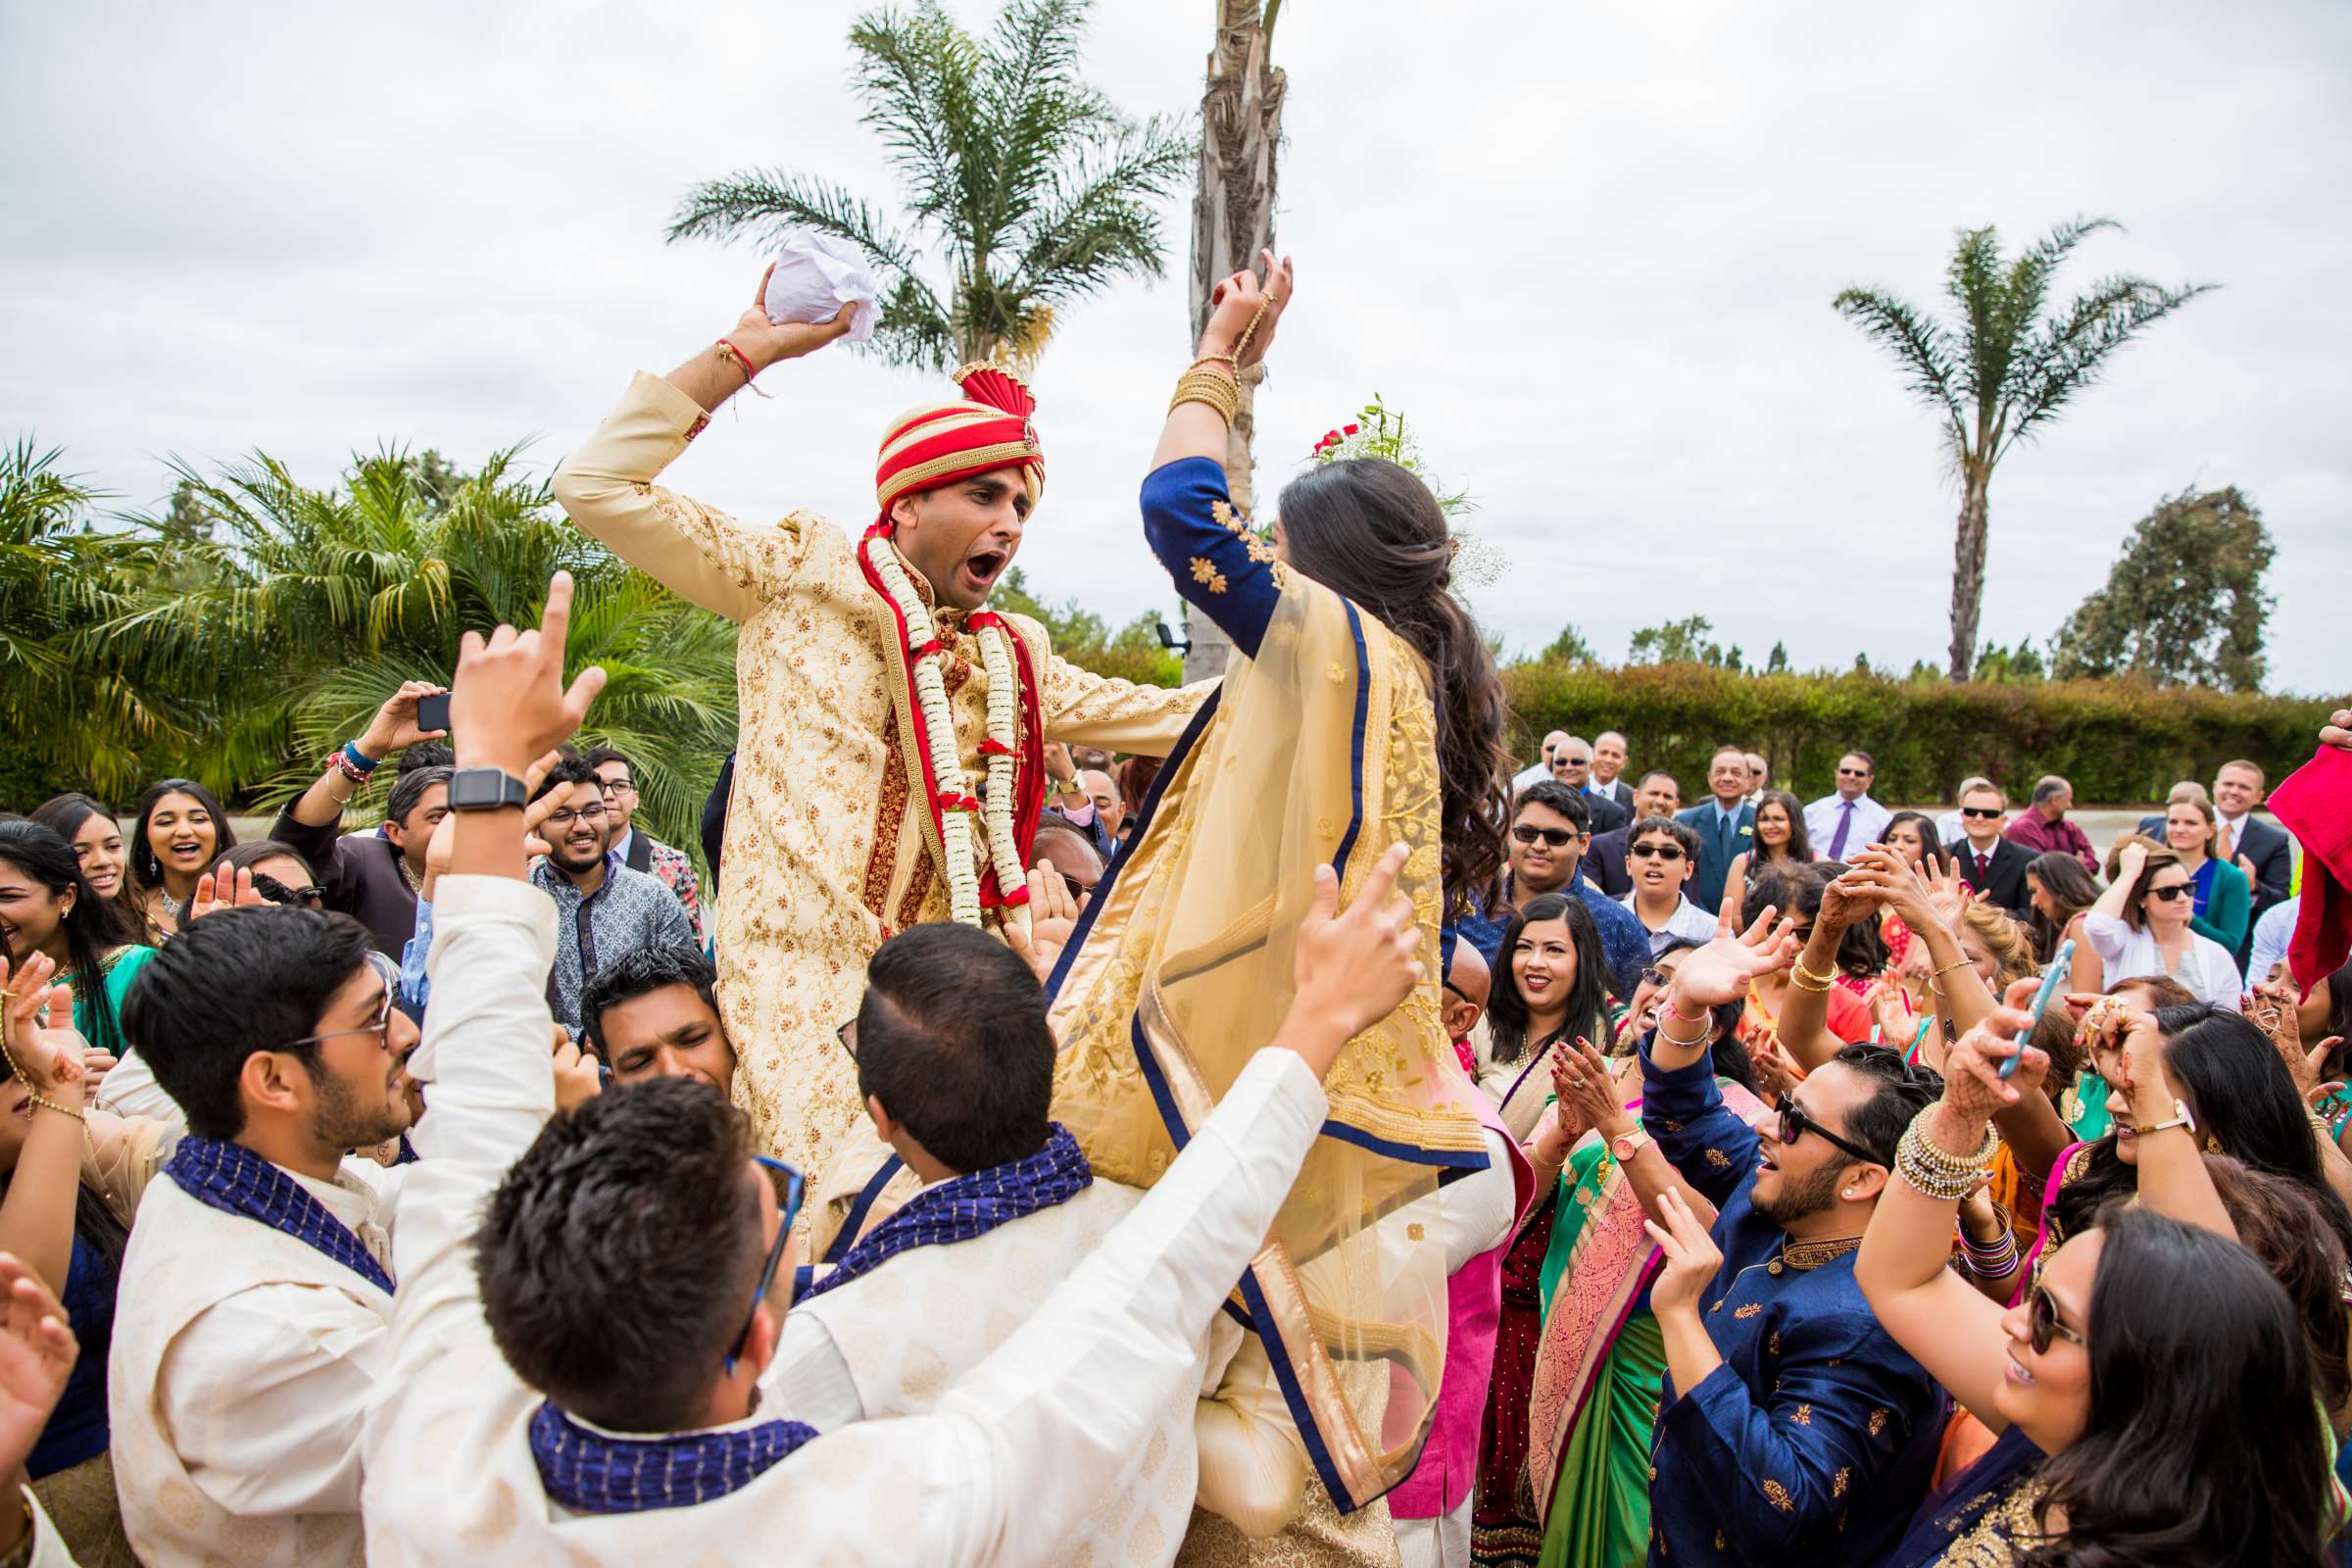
x: 1608, y: 757
x: 1062, y: 849
x: 1467, y: 984
x: 1105, y: 795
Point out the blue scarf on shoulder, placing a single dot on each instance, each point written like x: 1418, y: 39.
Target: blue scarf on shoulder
x: 593, y: 1472
x: 234, y: 1180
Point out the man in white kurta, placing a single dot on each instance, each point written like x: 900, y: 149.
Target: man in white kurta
x: 829, y: 843
x: 1005, y: 1465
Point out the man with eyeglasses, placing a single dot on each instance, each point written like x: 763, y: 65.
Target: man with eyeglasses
x: 639, y: 850
x: 1662, y: 859
x: 1987, y: 861
x: 1572, y: 766
x: 1847, y: 819
x: 577, y: 1360
x: 603, y: 910
x: 373, y: 877
x: 255, y: 1292
x: 1068, y: 853
x: 1550, y: 830
x: 1792, y: 1427
x: 1655, y: 795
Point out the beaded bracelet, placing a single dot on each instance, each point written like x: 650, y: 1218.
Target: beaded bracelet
x: 43, y: 1102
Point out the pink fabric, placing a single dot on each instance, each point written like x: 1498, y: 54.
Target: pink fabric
x: 2315, y: 803
x: 1474, y: 1312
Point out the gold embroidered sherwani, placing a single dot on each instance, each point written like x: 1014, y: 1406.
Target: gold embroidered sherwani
x: 829, y: 850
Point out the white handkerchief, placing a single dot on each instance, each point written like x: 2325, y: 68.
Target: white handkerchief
x: 815, y: 277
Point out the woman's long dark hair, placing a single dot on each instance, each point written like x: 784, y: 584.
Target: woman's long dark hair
x: 2203, y: 1444
x: 143, y: 863
x: 1931, y: 847
x: 93, y: 927
x: 64, y: 815
x: 1372, y: 533
x: 1861, y: 951
x: 2245, y: 1102
x: 2070, y: 887
x: 2281, y: 1223
x: 1588, y: 994
x: 1800, y: 842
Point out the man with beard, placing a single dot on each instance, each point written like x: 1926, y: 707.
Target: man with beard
x: 255, y: 1293
x: 603, y: 911
x: 1792, y: 1427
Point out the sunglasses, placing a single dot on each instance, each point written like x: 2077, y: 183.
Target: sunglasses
x: 1654, y: 976
x: 794, y: 1189
x: 2178, y: 890
x: 1853, y: 772
x: 1080, y: 892
x: 2042, y: 1324
x: 847, y: 1034
x: 1982, y: 813
x: 1573, y: 761
x: 1559, y: 838
x: 1656, y: 852
x: 276, y: 891
x: 1794, y: 1124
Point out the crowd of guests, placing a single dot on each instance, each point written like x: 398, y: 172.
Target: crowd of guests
x: 1891, y: 1188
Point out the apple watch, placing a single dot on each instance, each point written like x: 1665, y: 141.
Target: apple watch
x: 486, y: 788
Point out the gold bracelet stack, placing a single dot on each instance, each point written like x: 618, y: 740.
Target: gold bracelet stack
x: 1218, y: 392
x: 1936, y: 1170
x: 1805, y: 979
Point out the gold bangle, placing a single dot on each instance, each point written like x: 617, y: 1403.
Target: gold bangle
x: 1805, y: 979
x: 1232, y: 363
x: 1210, y: 389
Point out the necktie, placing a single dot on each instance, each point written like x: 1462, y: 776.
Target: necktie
x: 1984, y: 873
x: 1845, y: 825
x: 2225, y: 846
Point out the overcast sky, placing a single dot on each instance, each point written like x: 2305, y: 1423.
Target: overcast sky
x: 1588, y: 249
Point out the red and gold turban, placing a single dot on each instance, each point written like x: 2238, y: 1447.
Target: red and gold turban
x: 987, y: 429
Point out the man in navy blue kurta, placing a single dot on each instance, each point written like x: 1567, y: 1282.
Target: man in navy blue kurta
x: 1792, y: 1428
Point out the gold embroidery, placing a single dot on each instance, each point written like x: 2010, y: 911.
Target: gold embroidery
x: 1803, y: 1416
x: 1718, y: 1158
x: 1259, y: 551
x: 1812, y: 1254
x: 1413, y: 1232
x: 1772, y: 1344
x: 1877, y: 1422
x: 1778, y: 1496
x: 890, y: 817
x: 1846, y: 1473
x: 1719, y: 1542
x: 1204, y: 573
x: 1749, y: 1311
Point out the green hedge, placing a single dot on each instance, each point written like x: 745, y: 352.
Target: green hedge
x: 2117, y: 741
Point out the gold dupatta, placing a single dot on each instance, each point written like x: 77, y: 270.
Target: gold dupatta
x: 1322, y: 749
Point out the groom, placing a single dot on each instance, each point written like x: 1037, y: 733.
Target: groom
x: 889, y: 770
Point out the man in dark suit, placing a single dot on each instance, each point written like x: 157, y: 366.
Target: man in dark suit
x: 1657, y: 795
x: 1572, y: 766
x: 1987, y: 861
x: 1726, y: 826
x: 2246, y: 841
x: 1608, y: 781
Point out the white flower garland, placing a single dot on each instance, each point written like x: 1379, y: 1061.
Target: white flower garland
x: 948, y: 783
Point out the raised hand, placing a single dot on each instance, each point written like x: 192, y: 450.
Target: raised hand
x: 1890, y: 1007
x: 2338, y: 731
x: 1692, y: 1258
x: 47, y: 1057
x: 1240, y: 301
x: 1052, y: 916
x: 1978, y: 1081
x: 1353, y: 967
x: 395, y: 723
x: 220, y: 889
x: 37, y: 1351
x: 1846, y: 899
x: 577, y: 1080
x: 764, y: 342
x: 1723, y: 969
x: 509, y: 704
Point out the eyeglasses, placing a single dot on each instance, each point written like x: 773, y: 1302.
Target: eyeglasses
x: 1654, y: 976
x: 2178, y: 890
x: 1658, y: 852
x: 2042, y: 1324
x: 1853, y: 772
x: 1982, y: 813
x: 592, y: 813
x: 614, y: 786
x: 1079, y: 891
x: 1573, y: 761
x: 382, y: 1028
x: 276, y: 891
x: 1794, y: 1124
x: 1559, y: 838
x: 795, y: 1187
x: 847, y: 1034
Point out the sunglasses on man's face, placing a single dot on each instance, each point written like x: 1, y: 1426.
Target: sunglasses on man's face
x: 789, y: 1209
x: 1656, y: 852
x: 1853, y: 772
x: 1559, y: 838
x: 2042, y: 1324
x: 1794, y: 1124
x: 1982, y: 813
x: 2178, y: 890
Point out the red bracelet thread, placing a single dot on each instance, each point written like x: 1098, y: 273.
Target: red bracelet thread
x: 750, y: 376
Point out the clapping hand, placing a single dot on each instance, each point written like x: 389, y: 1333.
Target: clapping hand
x: 1692, y: 1258
x: 1587, y: 1086
x: 1775, y: 1074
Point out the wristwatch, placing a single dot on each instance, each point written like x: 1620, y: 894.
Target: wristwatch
x: 486, y: 788
x: 2180, y: 1118
x: 1625, y: 1146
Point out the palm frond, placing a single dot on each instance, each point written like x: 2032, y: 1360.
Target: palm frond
x: 1921, y: 348
x: 2070, y: 352
x: 914, y: 72
x: 1099, y: 220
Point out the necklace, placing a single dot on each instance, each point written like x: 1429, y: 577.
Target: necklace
x: 946, y: 785
x: 405, y: 876
x: 172, y: 906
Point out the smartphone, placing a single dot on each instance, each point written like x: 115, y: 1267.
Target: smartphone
x: 432, y: 712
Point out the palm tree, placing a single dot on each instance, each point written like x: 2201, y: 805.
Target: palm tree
x: 72, y: 709
x: 305, y: 606
x: 1036, y: 188
x: 1233, y: 220
x: 2003, y: 368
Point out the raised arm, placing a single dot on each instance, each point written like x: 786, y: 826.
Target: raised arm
x: 319, y: 808
x: 1927, y: 902
x: 1208, y: 549
x: 1804, y: 1026
x: 694, y: 551
x: 37, y: 1217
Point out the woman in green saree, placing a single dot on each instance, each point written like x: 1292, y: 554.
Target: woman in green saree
x: 1600, y: 1361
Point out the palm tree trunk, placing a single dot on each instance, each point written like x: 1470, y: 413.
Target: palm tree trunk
x: 1233, y: 220
x: 1968, y: 569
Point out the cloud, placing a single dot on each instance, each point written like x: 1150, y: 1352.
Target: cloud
x: 1589, y: 251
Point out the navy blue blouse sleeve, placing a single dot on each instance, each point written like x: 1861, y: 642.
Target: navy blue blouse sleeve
x: 1211, y: 554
